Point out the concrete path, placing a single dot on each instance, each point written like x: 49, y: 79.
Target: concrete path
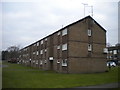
x: 111, y: 85
x: 3, y: 65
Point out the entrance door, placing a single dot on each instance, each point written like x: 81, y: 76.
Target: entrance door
x: 51, y: 65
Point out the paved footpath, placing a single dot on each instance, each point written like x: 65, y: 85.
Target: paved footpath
x: 111, y: 85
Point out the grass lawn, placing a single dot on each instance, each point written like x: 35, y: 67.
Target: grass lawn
x: 19, y: 76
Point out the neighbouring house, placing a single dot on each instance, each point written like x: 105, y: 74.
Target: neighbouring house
x: 75, y: 48
x: 113, y: 53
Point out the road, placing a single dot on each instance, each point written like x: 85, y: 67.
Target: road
x: 111, y: 85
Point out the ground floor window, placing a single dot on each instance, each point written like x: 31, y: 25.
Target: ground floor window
x: 64, y: 62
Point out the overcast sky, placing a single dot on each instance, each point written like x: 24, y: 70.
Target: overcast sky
x: 24, y: 22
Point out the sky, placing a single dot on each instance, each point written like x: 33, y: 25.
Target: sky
x: 23, y: 22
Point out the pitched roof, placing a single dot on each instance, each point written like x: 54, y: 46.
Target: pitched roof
x: 82, y: 20
x: 69, y: 26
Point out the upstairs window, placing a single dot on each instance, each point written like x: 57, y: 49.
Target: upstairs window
x: 58, y: 47
x: 64, y: 32
x: 89, y: 47
x: 41, y: 51
x: 115, y: 51
x: 45, y: 39
x: 105, y: 50
x: 58, y: 33
x: 42, y: 42
x: 38, y: 44
x: 34, y: 44
x: 89, y: 32
x: 64, y: 62
x: 33, y: 52
x: 37, y: 53
x: 64, y: 46
x: 45, y: 50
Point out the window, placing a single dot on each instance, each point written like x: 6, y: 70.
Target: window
x: 105, y: 50
x: 45, y: 50
x: 46, y: 39
x: 50, y: 58
x: 42, y: 42
x: 34, y: 44
x: 38, y: 44
x: 64, y: 47
x: 64, y: 62
x: 37, y: 62
x: 58, y: 33
x: 37, y: 53
x: 89, y: 32
x: 115, y: 51
x: 41, y: 51
x: 89, y: 47
x: 110, y: 52
x: 58, y: 47
x: 45, y: 61
x: 64, y: 32
x: 40, y: 62
x: 33, y: 52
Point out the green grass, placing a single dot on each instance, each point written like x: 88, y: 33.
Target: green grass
x: 19, y: 76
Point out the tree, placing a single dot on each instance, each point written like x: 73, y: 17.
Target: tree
x: 12, y: 53
x: 4, y: 55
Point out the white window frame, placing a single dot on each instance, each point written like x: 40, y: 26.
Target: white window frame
x: 58, y: 33
x: 42, y: 42
x: 36, y: 61
x: 33, y: 61
x: 58, y: 47
x: 51, y: 58
x: 64, y: 62
x: 89, y: 47
x: 34, y: 44
x: 37, y: 43
x: 64, y: 46
x: 33, y: 52
x: 45, y: 61
x: 64, y: 32
x: 115, y: 51
x: 37, y: 53
x: 41, y: 62
x: 41, y: 51
x: 89, y: 32
x: 45, y: 50
x: 45, y: 39
x: 105, y: 50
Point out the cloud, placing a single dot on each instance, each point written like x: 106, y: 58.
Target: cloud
x: 27, y: 22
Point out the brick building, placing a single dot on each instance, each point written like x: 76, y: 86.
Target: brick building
x: 76, y: 48
x: 113, y: 53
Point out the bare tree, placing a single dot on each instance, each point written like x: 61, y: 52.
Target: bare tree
x: 13, y: 53
x: 108, y: 45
